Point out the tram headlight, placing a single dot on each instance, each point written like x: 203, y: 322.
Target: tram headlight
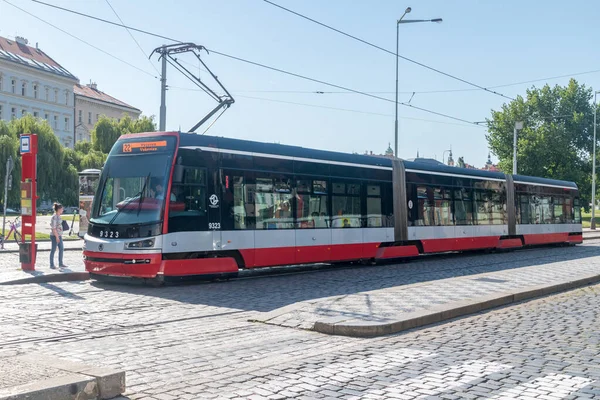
x: 140, y: 244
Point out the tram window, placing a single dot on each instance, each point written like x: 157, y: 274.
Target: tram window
x: 373, y: 190
x: 346, y: 205
x: 374, y: 209
x: 463, y: 207
x: 577, y: 211
x: 442, y: 208
x: 568, y: 210
x: 243, y: 204
x: 526, y: 215
x: 559, y: 208
x: 273, y: 203
x: 312, y: 211
x: 190, y: 195
x: 339, y: 188
x: 320, y: 187
x: 303, y: 186
x: 546, y: 210
x: 425, y: 206
x: 498, y: 212
x: 483, y: 207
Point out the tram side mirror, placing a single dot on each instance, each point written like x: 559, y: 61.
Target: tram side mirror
x: 178, y: 173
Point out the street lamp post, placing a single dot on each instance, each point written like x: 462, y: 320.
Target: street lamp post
x: 593, y: 222
x: 518, y: 125
x: 403, y: 21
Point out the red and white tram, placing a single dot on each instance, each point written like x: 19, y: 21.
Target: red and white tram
x: 177, y: 205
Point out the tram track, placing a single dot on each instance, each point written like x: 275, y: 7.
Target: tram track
x: 117, y: 330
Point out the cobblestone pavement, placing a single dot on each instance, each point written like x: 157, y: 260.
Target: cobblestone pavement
x: 196, y: 341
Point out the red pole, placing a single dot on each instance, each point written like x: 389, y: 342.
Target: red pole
x: 28, y: 194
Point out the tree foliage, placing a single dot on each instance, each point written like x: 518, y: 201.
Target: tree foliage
x: 557, y: 136
x: 107, y: 131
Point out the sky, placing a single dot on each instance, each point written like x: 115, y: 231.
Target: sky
x: 488, y: 43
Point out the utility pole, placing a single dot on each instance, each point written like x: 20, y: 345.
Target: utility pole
x: 7, y: 183
x: 518, y: 125
x: 593, y: 223
x: 163, y: 91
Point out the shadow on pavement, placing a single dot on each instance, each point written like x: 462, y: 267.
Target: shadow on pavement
x: 266, y: 293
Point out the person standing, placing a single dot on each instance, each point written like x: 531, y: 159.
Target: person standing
x: 56, y: 224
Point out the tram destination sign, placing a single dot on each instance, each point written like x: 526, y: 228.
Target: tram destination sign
x: 144, y: 147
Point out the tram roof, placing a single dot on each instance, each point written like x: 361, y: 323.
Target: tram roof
x: 190, y: 139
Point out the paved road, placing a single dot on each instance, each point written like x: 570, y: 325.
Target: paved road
x: 197, y: 341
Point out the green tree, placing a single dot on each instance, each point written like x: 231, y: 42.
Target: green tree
x: 105, y: 134
x: 50, y: 160
x: 93, y: 160
x: 557, y: 136
x: 9, y: 145
x: 107, y: 131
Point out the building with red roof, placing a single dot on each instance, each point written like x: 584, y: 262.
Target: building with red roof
x: 91, y: 103
x: 31, y: 82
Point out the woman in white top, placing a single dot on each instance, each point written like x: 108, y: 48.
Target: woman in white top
x: 56, y: 236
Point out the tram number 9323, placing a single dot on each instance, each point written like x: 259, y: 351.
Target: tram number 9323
x: 109, y: 234
x: 214, y: 225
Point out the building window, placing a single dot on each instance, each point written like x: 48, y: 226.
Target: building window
x: 13, y: 113
x: 97, y: 117
x: 36, y: 114
x: 46, y: 116
x: 90, y: 118
x: 55, y: 122
x: 13, y: 84
x: 47, y: 94
x: 23, y: 89
x: 35, y: 91
x: 1, y: 82
x: 80, y: 116
x: 66, y: 123
x: 66, y: 97
x: 1, y: 111
x: 23, y: 112
x: 56, y: 95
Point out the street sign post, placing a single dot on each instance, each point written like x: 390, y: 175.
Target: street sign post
x: 28, y: 149
x: 7, y: 187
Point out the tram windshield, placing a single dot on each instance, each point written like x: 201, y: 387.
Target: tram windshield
x: 133, y: 185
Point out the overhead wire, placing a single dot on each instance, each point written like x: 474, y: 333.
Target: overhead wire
x: 180, y: 41
x: 386, y: 50
x: 331, y: 108
x: 247, y: 61
x: 132, y: 37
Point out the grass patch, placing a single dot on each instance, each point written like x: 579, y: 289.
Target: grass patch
x: 46, y: 236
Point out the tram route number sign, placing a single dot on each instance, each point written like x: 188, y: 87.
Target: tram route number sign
x: 143, y: 146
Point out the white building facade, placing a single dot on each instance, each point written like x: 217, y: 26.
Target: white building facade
x: 33, y: 83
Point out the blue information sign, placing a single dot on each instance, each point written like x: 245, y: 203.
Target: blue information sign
x: 25, y: 145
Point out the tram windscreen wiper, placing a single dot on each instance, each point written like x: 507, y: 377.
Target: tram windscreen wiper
x: 142, y: 194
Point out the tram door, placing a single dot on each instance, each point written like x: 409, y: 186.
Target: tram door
x: 214, y: 202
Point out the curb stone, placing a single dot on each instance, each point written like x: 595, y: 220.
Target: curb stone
x: 83, y: 382
x: 347, y: 326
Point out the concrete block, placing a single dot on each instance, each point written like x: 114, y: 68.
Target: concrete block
x: 111, y: 383
x: 68, y: 387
